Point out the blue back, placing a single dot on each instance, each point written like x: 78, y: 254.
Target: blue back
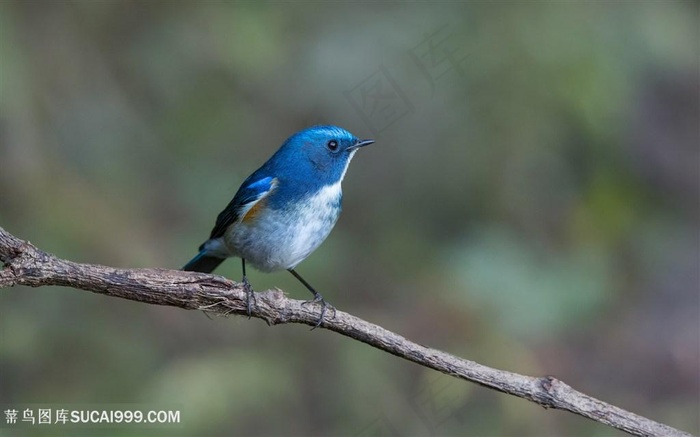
x: 306, y: 162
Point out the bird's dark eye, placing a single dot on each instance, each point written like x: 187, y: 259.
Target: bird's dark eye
x: 332, y: 145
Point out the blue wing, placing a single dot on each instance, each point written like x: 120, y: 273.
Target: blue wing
x: 243, y: 205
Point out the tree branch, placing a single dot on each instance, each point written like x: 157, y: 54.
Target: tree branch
x: 27, y: 265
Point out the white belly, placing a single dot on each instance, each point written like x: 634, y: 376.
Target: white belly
x: 281, y: 239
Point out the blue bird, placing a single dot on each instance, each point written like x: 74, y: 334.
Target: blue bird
x: 285, y: 209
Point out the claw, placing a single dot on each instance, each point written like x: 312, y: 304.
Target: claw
x: 324, y: 306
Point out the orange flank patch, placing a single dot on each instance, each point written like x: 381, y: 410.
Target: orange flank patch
x: 254, y: 211
x: 259, y: 205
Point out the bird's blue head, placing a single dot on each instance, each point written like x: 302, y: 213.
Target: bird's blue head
x: 319, y: 154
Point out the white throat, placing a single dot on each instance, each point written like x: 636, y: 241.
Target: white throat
x: 342, y: 175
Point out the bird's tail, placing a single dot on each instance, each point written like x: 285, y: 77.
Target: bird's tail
x: 203, y: 263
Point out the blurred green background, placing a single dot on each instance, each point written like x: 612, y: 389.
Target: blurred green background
x: 531, y: 203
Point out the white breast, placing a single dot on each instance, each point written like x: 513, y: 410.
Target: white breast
x: 317, y: 217
x: 281, y: 239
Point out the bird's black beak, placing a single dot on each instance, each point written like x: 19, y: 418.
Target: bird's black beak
x: 361, y: 143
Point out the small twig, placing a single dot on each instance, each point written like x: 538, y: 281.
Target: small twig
x: 27, y: 265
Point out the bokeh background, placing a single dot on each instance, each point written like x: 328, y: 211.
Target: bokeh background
x: 531, y: 203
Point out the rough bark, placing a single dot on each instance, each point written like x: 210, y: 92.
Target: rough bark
x: 24, y: 264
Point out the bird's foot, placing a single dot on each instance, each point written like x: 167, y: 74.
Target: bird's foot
x: 250, y: 296
x: 324, y: 307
